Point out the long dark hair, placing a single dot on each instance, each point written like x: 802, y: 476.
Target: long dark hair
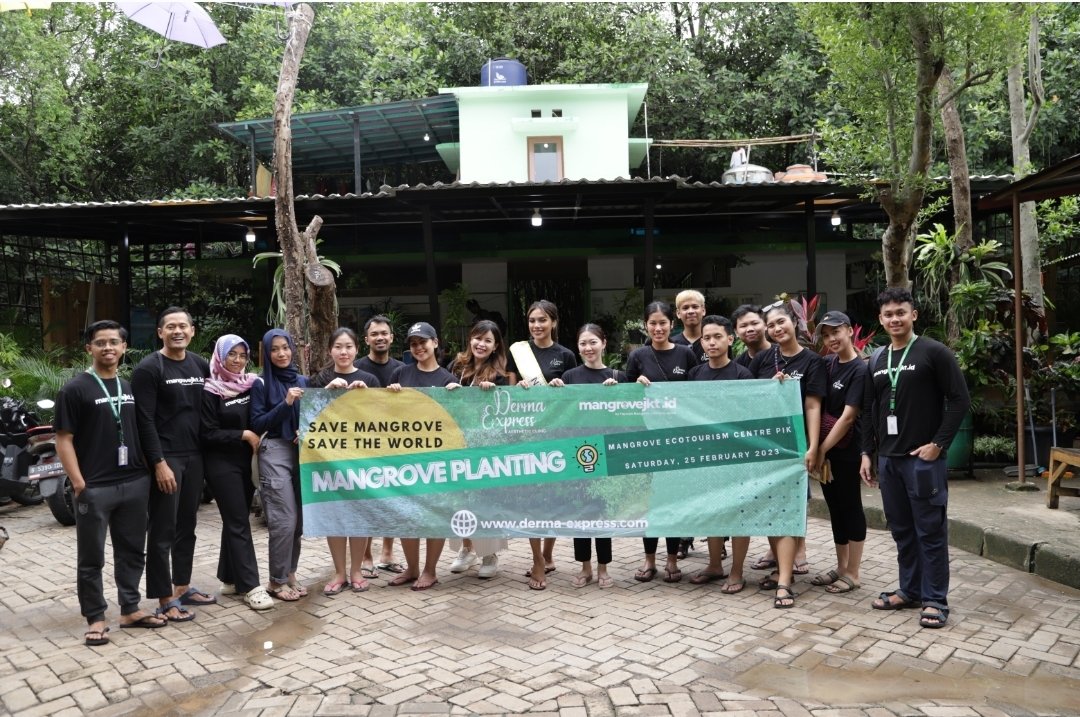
x: 465, y: 366
x: 662, y: 307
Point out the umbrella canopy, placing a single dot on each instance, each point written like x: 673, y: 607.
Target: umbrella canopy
x: 5, y: 5
x: 180, y: 21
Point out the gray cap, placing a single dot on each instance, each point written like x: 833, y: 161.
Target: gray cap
x: 422, y: 329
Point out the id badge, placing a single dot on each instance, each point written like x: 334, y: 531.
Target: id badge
x: 122, y: 456
x: 892, y: 426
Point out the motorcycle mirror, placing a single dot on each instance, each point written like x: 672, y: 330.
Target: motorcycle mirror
x: 46, y: 403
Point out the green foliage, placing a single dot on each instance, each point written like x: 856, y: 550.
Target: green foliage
x: 275, y: 315
x: 455, y: 319
x: 999, y: 447
x: 980, y: 277
x: 1059, y: 222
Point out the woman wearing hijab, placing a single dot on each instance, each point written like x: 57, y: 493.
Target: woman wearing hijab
x: 275, y: 412
x: 228, y: 444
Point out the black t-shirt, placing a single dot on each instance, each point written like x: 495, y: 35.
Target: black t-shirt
x: 411, y: 376
x: 806, y: 366
x: 554, y: 361
x: 745, y: 359
x: 848, y: 384
x: 168, y: 401
x: 672, y: 364
x: 224, y: 421
x: 730, y: 372
x: 382, y: 371
x: 931, y: 399
x: 694, y: 346
x: 329, y: 374
x: 584, y: 374
x: 83, y: 411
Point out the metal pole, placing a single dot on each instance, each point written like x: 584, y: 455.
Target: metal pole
x: 358, y: 185
x: 429, y: 258
x: 648, y: 160
x: 123, y: 269
x: 650, y: 261
x: 1018, y: 337
x: 811, y: 250
x: 253, y: 162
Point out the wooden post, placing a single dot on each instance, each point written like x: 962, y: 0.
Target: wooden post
x: 650, y: 258
x: 429, y: 262
x: 811, y: 250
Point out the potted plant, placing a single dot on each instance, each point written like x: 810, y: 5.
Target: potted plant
x: 1052, y: 382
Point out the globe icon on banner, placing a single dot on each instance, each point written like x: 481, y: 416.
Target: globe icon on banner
x: 463, y: 523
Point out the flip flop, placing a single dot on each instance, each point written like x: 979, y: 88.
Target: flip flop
x: 605, y: 582
x: 418, y: 588
x: 825, y: 578
x: 801, y: 567
x: 359, y: 586
x: 401, y: 580
x: 391, y: 567
x: 285, y: 592
x: 300, y: 589
x: 645, y: 575
x: 369, y: 573
x: 528, y: 573
x: 764, y: 564
x: 730, y: 588
x: 703, y: 578
x: 188, y: 598
x: 146, y: 621
x: 185, y: 615
x: 846, y: 585
x: 672, y: 576
x: 581, y: 581
x: 101, y: 639
x: 333, y: 588
x: 769, y: 583
x: 887, y: 604
x: 537, y: 584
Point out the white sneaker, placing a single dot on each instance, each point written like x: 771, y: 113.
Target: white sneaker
x: 227, y: 589
x: 490, y: 567
x: 464, y: 560
x: 258, y: 599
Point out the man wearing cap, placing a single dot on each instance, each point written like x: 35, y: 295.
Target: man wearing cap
x: 919, y: 401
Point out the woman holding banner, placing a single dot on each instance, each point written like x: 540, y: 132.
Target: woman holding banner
x: 592, y: 343
x: 660, y: 360
x: 275, y: 412
x: 228, y: 444
x: 343, y: 346
x: 482, y: 364
x: 786, y: 358
x: 423, y: 344
x: 540, y: 361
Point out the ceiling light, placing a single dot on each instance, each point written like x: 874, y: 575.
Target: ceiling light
x: 537, y: 220
x: 659, y: 266
x: 427, y: 137
x: 835, y: 218
x: 250, y: 236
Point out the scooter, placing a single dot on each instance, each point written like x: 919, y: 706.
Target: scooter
x: 31, y: 471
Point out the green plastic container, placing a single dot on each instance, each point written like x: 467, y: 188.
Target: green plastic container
x: 962, y: 445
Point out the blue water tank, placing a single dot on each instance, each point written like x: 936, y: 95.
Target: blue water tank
x: 503, y: 72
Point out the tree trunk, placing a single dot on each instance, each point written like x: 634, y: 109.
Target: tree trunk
x: 297, y: 251
x: 903, y: 199
x: 961, y: 188
x: 1029, y: 230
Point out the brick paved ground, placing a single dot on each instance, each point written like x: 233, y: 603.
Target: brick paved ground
x: 487, y: 647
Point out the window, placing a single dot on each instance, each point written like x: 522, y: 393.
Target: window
x: 556, y: 113
x: 545, y: 159
x: 535, y: 114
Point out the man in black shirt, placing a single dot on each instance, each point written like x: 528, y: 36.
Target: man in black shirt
x: 750, y: 328
x: 168, y: 387
x: 920, y: 398
x: 98, y: 443
x: 690, y: 307
x: 379, y: 337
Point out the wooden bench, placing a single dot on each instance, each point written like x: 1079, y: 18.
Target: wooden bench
x: 1060, y: 460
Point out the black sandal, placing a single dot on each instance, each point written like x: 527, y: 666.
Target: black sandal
x: 784, y: 602
x: 685, y: 546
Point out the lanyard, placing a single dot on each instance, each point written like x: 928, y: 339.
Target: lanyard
x: 115, y: 407
x: 894, y: 374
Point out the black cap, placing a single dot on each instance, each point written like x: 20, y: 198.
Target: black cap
x: 835, y: 318
x: 422, y: 329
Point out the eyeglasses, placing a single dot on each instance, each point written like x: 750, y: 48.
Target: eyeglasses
x: 236, y: 357
x: 774, y: 305
x: 102, y: 343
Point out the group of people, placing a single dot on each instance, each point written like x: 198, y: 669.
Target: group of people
x: 137, y: 454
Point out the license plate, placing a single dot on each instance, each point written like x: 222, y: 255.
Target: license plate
x: 46, y: 470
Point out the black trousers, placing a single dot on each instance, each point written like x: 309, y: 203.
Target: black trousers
x: 583, y: 550
x: 651, y: 543
x: 229, y: 476
x: 120, y: 510
x: 170, y: 537
x: 843, y: 495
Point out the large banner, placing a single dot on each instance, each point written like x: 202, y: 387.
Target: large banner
x: 672, y: 459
